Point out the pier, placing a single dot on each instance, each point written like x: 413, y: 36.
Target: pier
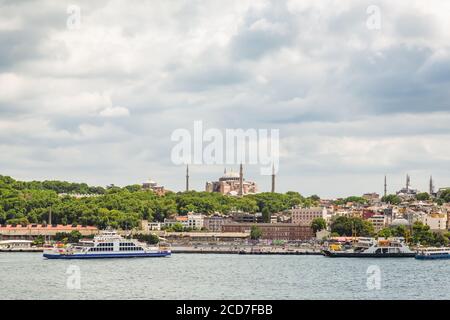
x: 246, y: 250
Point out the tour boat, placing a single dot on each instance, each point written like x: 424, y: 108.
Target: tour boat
x: 108, y: 244
x: 372, y: 248
x: 433, y: 253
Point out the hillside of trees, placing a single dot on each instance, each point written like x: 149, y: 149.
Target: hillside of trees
x: 30, y: 202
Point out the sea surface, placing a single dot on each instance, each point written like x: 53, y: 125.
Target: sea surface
x: 211, y: 276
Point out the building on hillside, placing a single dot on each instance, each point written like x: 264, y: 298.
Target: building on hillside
x: 273, y: 231
x: 232, y: 183
x: 153, y: 186
x: 407, y: 192
x: 378, y: 221
x: 305, y: 216
x: 436, y: 221
x: 372, y: 197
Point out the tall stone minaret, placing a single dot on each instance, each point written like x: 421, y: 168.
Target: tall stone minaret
x: 408, y: 181
x: 273, y: 178
x: 385, y: 186
x: 187, y: 177
x: 431, y: 186
x: 241, y: 181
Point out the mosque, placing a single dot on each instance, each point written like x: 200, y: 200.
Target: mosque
x: 233, y: 184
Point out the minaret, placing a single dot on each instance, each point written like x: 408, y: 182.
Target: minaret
x: 431, y: 186
x: 407, y: 181
x: 241, y: 181
x: 273, y: 178
x: 385, y: 186
x: 187, y: 177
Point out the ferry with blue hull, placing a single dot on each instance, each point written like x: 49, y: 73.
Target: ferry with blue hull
x: 108, y: 244
x: 433, y: 254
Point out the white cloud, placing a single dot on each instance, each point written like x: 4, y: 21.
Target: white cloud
x: 348, y: 101
x: 115, y: 112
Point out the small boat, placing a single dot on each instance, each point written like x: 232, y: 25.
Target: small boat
x: 372, y: 248
x: 433, y: 253
x: 108, y: 244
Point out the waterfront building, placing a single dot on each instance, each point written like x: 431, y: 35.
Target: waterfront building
x: 191, y: 220
x: 169, y: 222
x: 243, y: 217
x: 195, y: 221
x: 190, y: 237
x: 232, y: 183
x: 147, y: 226
x: 32, y: 231
x: 305, y: 216
x: 215, y: 222
x: 273, y: 231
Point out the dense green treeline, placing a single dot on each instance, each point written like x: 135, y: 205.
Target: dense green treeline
x: 31, y: 202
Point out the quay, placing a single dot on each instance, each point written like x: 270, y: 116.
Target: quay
x: 32, y: 249
x: 246, y: 250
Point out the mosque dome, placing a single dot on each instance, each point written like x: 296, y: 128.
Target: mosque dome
x: 399, y: 222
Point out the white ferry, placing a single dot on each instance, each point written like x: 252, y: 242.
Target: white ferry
x: 433, y: 253
x: 108, y: 244
x: 372, y: 248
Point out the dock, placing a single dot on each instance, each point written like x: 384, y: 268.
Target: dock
x: 246, y: 250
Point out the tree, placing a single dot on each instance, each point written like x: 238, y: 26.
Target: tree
x: 385, y: 233
x: 423, y: 196
x: 348, y: 226
x: 177, y: 227
x: 266, y: 215
x: 148, y: 238
x: 440, y: 240
x: 255, y: 233
x: 318, y: 224
x: 445, y: 195
x: 392, y: 199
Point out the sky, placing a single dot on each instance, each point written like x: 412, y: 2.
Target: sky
x: 96, y: 99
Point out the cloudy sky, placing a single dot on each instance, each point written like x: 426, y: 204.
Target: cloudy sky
x: 97, y: 102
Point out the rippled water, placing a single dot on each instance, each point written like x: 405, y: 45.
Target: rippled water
x: 197, y: 276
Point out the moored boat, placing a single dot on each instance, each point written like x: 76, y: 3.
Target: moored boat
x: 107, y: 244
x: 433, y: 253
x: 372, y: 248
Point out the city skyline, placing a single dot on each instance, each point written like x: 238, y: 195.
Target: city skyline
x: 96, y: 100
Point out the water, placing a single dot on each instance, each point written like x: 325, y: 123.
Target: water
x: 197, y: 276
